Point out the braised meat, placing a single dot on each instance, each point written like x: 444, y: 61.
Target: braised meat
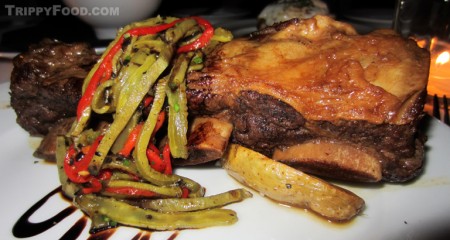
x: 46, y: 83
x: 317, y: 80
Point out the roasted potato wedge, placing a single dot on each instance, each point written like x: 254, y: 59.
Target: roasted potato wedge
x: 289, y: 186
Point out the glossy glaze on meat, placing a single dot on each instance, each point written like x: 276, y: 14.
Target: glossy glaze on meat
x: 319, y: 79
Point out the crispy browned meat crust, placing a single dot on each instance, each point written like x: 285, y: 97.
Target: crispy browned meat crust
x: 46, y: 83
x: 318, y: 79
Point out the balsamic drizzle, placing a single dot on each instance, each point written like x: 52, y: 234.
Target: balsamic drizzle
x: 23, y: 228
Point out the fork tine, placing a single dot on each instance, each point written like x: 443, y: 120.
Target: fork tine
x: 436, y: 110
x: 446, y: 117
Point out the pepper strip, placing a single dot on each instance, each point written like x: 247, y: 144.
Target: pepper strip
x: 155, y: 160
x: 142, y: 143
x: 106, y: 67
x: 96, y: 186
x: 76, y: 169
x: 208, y: 32
x: 185, y: 192
x: 102, y: 71
x: 131, y: 192
x: 159, y: 122
x: 177, y: 120
x: 168, y: 191
x: 166, y: 159
x: 68, y: 187
x: 197, y: 203
x: 132, y: 97
x: 127, y: 214
x: 131, y: 141
x: 125, y: 165
x: 98, y: 103
x: 148, y: 173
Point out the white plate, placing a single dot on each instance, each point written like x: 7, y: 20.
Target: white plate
x: 418, y: 210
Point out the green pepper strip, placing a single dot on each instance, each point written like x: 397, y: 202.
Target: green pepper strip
x: 98, y: 104
x: 102, y: 71
x: 130, y: 192
x: 129, y: 100
x: 143, y: 140
x: 105, y: 65
x: 179, y: 71
x: 178, y: 116
x: 168, y: 191
x: 140, y: 156
x: 69, y: 188
x: 124, y: 165
x: 198, y: 203
x: 127, y: 214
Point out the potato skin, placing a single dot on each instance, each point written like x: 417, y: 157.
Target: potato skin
x: 290, y: 186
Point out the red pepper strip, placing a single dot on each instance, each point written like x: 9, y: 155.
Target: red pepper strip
x: 134, y: 176
x: 154, y: 148
x: 69, y: 168
x: 166, y: 160
x: 185, y: 192
x: 95, y: 182
x: 96, y: 186
x: 159, y: 122
x: 148, y: 100
x: 131, y: 191
x: 155, y: 160
x: 208, y: 32
x: 84, y: 162
x: 103, y: 72
x: 139, y: 31
x: 104, y: 175
x: 73, y: 166
x: 131, y: 140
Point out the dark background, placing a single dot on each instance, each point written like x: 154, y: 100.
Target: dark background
x: 17, y: 32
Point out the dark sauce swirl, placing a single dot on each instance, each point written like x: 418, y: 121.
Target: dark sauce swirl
x: 24, y: 228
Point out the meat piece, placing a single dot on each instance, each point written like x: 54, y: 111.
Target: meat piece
x: 208, y: 140
x: 329, y: 158
x: 47, y: 147
x: 46, y: 83
x: 318, y: 79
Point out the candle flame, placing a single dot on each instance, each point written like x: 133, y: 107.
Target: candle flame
x: 422, y: 43
x: 443, y: 58
x: 429, y: 44
x: 433, y: 43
